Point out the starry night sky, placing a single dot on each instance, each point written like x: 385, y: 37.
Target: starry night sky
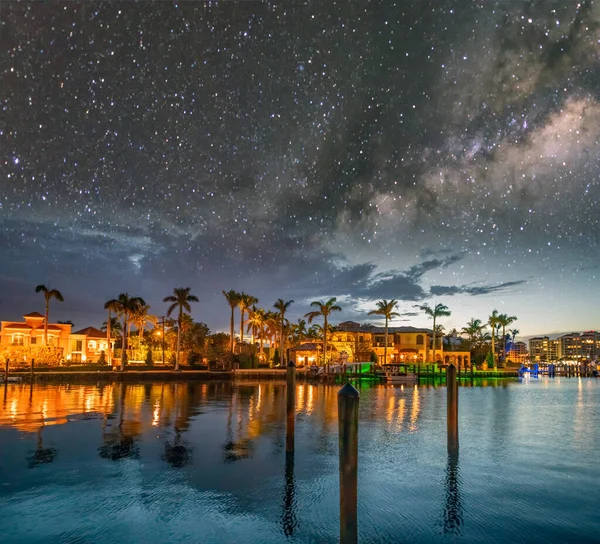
x: 424, y: 151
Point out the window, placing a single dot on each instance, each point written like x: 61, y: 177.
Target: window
x: 419, y: 339
x: 18, y: 339
x: 33, y: 340
x: 76, y: 345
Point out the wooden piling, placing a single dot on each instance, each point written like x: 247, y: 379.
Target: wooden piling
x: 452, y: 408
x: 32, y: 367
x: 291, y: 407
x: 6, y: 371
x: 348, y: 398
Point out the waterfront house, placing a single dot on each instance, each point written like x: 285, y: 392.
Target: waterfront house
x: 87, y: 345
x: 352, y: 342
x: 30, y: 333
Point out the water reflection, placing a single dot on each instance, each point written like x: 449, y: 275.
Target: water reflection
x: 289, y: 520
x: 118, y: 443
x: 178, y: 453
x: 453, y: 507
x: 42, y: 455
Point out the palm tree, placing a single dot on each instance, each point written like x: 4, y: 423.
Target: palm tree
x: 324, y: 309
x: 111, y: 306
x: 473, y: 330
x: 513, y: 334
x: 281, y: 306
x: 233, y: 299
x: 126, y: 307
x: 256, y: 322
x: 386, y: 309
x: 140, y: 318
x: 48, y: 294
x: 440, y: 310
x: 181, y: 299
x: 245, y: 303
x: 493, y: 322
x: 505, y: 321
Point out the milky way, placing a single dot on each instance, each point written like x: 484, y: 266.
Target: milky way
x: 424, y: 151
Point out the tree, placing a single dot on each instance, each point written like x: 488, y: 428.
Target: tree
x: 48, y: 295
x: 181, y: 299
x: 281, y: 306
x: 233, y: 299
x: 125, y: 306
x: 245, y: 303
x: 112, y: 306
x: 473, y: 330
x: 324, y: 310
x: 257, y: 323
x: 440, y: 310
x: 513, y: 334
x: 493, y: 322
x: 505, y: 321
x: 386, y: 309
x: 140, y: 317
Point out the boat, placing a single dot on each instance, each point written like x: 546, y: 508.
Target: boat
x: 401, y: 378
x: 13, y: 379
x: 398, y: 373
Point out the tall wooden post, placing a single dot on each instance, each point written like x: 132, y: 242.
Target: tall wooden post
x: 348, y: 398
x: 6, y: 371
x: 32, y: 366
x: 452, y: 416
x: 291, y: 407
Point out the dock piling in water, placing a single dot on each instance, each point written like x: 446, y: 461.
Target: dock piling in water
x: 291, y: 407
x: 452, y: 407
x: 348, y: 398
x: 6, y: 371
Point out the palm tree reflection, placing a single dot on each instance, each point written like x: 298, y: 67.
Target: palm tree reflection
x: 240, y: 448
x: 288, y: 518
x: 42, y: 455
x: 453, y: 508
x: 177, y: 453
x: 118, y: 445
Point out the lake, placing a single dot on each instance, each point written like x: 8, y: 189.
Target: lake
x: 206, y: 462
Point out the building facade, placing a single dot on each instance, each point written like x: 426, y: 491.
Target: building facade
x: 352, y: 342
x: 85, y: 345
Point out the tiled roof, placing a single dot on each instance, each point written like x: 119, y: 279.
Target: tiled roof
x: 351, y: 326
x: 91, y: 332
x: 54, y: 328
x: 34, y: 314
x: 17, y: 326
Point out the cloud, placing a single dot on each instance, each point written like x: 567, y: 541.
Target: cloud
x: 449, y: 290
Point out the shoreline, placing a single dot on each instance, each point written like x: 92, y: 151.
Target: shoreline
x: 145, y: 376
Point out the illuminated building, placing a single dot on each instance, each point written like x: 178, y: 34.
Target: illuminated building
x: 353, y: 342
x: 28, y: 335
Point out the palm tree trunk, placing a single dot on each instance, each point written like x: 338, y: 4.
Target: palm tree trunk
x: 504, y: 341
x: 46, y: 321
x: 108, y: 339
x: 123, y: 341
x: 325, y: 341
x: 241, y: 327
x: 386, y: 342
x: 231, y: 331
x: 433, y: 356
x: 261, y: 352
x: 178, y: 338
x: 493, y: 349
x: 282, y: 343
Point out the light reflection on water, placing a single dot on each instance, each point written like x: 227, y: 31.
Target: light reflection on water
x: 206, y: 462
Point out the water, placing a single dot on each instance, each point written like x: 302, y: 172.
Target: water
x: 205, y: 462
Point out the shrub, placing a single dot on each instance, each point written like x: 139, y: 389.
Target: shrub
x: 149, y: 361
x: 102, y: 359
